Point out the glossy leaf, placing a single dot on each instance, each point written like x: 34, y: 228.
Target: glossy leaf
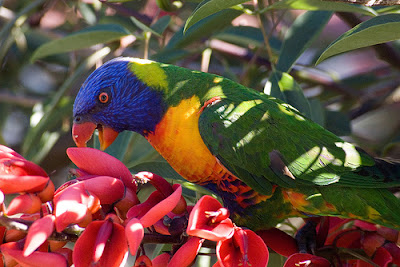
x: 85, y: 38
x: 322, y: 5
x: 299, y: 37
x: 203, y: 29
x: 207, y: 8
x: 377, y: 30
x: 245, y: 36
x: 161, y: 24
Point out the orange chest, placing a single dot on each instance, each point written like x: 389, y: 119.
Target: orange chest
x: 177, y: 139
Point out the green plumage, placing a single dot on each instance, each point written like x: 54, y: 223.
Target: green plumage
x: 295, y: 166
x: 256, y: 137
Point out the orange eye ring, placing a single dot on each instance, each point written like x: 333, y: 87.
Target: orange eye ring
x: 103, y: 97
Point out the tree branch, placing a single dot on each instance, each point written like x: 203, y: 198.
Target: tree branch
x: 369, y: 2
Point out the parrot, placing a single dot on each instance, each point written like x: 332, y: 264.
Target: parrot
x: 266, y: 160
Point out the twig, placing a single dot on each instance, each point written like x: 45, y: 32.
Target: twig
x: 18, y: 100
x: 369, y: 2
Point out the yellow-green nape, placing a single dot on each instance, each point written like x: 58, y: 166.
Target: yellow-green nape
x: 150, y: 73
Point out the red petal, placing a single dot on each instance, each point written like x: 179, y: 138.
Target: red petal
x: 139, y: 210
x: 103, y: 235
x: 200, y: 223
x: 305, y: 260
x: 348, y: 238
x: 161, y: 209
x: 394, y: 250
x: 20, y: 166
x: 47, y: 193
x: 107, y: 189
x: 388, y: 233
x: 382, y: 257
x: 134, y: 232
x: 245, y: 249
x: 365, y: 225
x: 38, y: 233
x: 73, y: 213
x: 11, y: 184
x: 129, y: 200
x: 257, y: 250
x: 186, y: 253
x: 27, y: 203
x: 114, y: 254
x: 36, y: 259
x: 143, y: 261
x: 94, y: 161
x: 371, y: 242
x: 157, y: 181
x: 6, y: 152
x: 71, y: 206
x: 279, y: 241
x: 161, y: 260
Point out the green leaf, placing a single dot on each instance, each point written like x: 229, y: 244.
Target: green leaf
x: 170, y: 55
x: 90, y: 36
x: 161, y: 24
x: 203, y: 29
x: 207, y: 8
x: 377, y: 30
x: 321, y: 5
x: 144, y: 27
x: 281, y: 85
x: 299, y: 37
x: 245, y: 36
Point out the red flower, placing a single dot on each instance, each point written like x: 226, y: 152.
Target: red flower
x: 74, y: 205
x: 244, y: 249
x: 18, y: 174
x: 209, y: 220
x: 186, y: 253
x: 161, y: 260
x: 13, y: 251
x: 38, y: 233
x: 93, y: 161
x: 102, y: 243
x: 134, y: 233
x: 27, y: 203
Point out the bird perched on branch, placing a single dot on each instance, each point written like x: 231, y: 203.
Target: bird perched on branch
x: 265, y: 159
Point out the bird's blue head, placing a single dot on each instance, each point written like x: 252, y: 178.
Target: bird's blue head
x: 113, y: 99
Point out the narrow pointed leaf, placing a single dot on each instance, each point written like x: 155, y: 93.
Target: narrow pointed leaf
x: 300, y: 36
x: 203, y: 29
x: 98, y: 34
x: 322, y: 5
x: 209, y: 7
x: 377, y: 30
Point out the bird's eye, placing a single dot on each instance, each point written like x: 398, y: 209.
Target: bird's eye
x: 103, y: 97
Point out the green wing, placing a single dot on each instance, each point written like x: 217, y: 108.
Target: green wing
x: 265, y: 142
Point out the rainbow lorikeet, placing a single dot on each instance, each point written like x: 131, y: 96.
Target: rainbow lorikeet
x: 265, y: 159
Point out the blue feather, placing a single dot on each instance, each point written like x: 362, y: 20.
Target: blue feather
x: 133, y: 106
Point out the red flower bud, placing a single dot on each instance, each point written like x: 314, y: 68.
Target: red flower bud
x: 94, y: 161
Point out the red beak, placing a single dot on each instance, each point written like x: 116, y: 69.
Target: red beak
x: 82, y: 132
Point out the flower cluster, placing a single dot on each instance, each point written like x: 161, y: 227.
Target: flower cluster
x: 100, y: 211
